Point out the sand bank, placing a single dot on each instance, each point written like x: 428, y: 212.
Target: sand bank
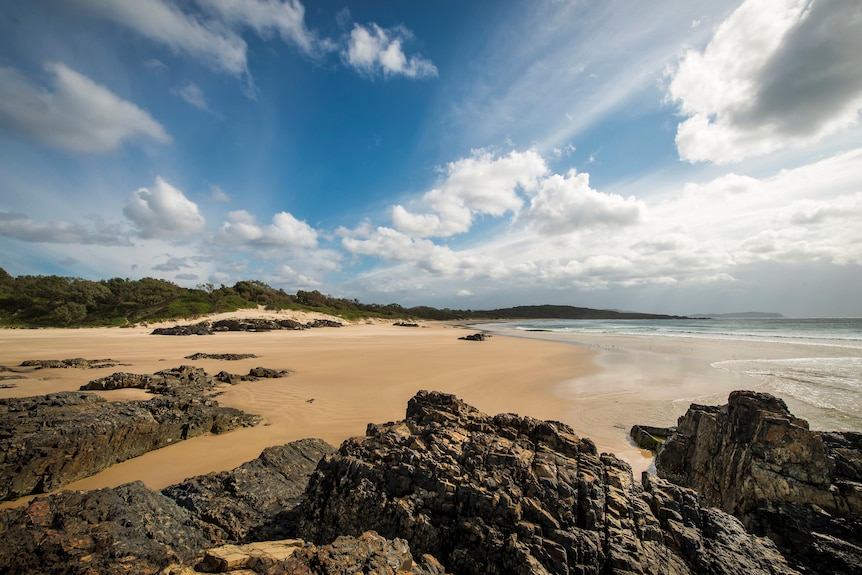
x: 343, y: 378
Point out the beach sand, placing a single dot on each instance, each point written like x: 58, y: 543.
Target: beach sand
x: 355, y: 375
x: 344, y: 378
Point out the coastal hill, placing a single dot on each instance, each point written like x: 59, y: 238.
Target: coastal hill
x: 56, y: 301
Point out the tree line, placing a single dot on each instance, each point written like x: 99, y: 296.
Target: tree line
x: 57, y: 301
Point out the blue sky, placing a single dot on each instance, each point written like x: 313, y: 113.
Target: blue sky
x: 674, y: 156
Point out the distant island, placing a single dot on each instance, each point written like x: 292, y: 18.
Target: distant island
x: 56, y: 301
x: 740, y: 315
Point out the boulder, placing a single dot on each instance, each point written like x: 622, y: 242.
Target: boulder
x: 754, y: 459
x: 256, y: 500
x: 650, y: 437
x: 49, y: 441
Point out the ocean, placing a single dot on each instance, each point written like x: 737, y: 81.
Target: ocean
x: 824, y: 376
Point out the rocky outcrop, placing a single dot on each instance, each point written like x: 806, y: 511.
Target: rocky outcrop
x: 650, y: 437
x: 51, y: 440
x: 249, y: 324
x: 76, y: 363
x: 509, y: 494
x: 475, y: 337
x: 179, y: 381
x: 754, y: 459
x: 222, y: 356
x: 128, y: 529
x: 255, y: 501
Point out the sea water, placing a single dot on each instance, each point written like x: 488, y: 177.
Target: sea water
x: 827, y: 385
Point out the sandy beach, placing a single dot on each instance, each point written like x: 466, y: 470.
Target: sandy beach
x: 344, y: 378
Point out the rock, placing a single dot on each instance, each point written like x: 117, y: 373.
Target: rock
x: 367, y: 553
x: 510, y: 494
x: 405, y: 324
x: 223, y: 356
x: 131, y: 529
x: 475, y: 337
x: 202, y: 328
x: 256, y: 500
x: 323, y: 323
x: 649, y: 437
x: 754, y: 459
x: 49, y: 441
x: 127, y: 529
x: 76, y: 363
x: 267, y: 373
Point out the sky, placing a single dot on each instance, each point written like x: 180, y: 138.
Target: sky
x: 691, y: 156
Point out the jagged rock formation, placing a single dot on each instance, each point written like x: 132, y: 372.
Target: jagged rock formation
x: 223, y: 356
x: 75, y: 362
x: 131, y: 529
x: 650, y: 437
x: 754, y: 459
x: 255, y: 501
x: 252, y: 324
x: 51, y: 440
x: 179, y: 381
x: 509, y: 494
x: 128, y: 529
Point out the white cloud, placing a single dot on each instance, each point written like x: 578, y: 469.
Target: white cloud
x: 285, y: 231
x: 163, y: 212
x: 24, y: 228
x: 564, y: 204
x: 392, y: 245
x: 776, y: 73
x: 79, y: 115
x: 480, y: 184
x: 375, y: 50
x: 192, y: 94
x: 163, y: 22
x: 287, y: 18
x: 218, y: 194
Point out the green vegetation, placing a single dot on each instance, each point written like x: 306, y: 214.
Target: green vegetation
x: 55, y: 301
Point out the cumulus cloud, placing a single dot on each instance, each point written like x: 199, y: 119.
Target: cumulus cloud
x: 480, y: 184
x: 165, y: 23
x: 567, y: 203
x: 374, y: 50
x: 163, y: 211
x: 78, y: 115
x: 285, y: 231
x: 24, y: 228
x: 392, y: 245
x: 777, y: 73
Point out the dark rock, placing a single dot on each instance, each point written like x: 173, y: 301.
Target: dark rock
x: 475, y: 337
x: 223, y: 356
x: 49, y: 441
x: 650, y: 437
x: 510, y: 494
x: 405, y: 324
x: 76, y: 363
x: 267, y: 373
x: 367, y: 553
x: 754, y: 459
x: 255, y: 501
x: 128, y: 529
x: 323, y: 323
x: 202, y: 328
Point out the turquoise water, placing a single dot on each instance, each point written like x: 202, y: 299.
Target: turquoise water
x: 825, y: 377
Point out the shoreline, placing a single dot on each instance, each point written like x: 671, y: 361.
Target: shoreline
x: 344, y: 378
